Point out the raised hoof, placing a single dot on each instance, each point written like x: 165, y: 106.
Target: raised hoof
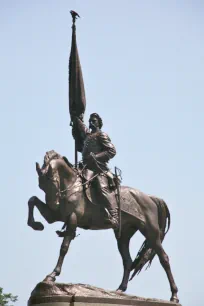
x: 49, y: 279
x: 174, y: 299
x: 61, y: 234
x: 37, y: 226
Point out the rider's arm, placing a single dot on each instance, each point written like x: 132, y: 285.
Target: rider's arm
x: 109, y: 150
x: 81, y: 127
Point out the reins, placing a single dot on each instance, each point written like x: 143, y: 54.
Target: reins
x: 80, y: 184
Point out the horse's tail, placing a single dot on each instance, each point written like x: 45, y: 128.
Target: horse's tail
x: 146, y: 254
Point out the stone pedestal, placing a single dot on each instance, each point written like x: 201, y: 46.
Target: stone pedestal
x: 49, y: 294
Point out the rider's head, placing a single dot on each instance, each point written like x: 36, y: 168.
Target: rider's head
x: 95, y: 121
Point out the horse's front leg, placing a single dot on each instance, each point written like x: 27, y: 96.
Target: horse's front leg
x: 43, y: 209
x: 69, y: 235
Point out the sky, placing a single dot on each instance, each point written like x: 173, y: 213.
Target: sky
x: 143, y: 64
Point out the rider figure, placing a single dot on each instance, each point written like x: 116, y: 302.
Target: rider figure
x: 97, y: 150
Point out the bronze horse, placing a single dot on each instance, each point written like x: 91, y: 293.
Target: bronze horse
x: 66, y: 201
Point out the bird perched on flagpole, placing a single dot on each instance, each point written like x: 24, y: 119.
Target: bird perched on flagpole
x: 75, y: 15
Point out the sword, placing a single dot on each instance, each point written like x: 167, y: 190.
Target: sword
x: 118, y: 200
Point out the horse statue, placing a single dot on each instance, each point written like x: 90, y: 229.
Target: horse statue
x: 67, y: 201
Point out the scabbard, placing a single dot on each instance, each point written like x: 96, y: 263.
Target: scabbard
x: 119, y: 203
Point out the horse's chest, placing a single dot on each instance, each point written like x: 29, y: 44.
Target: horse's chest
x: 72, y: 201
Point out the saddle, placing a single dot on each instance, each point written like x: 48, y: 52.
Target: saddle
x: 88, y: 177
x: 129, y: 204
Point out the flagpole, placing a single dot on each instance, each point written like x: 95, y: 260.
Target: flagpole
x: 75, y: 142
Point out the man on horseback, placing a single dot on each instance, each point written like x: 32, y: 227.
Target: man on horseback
x: 97, y: 150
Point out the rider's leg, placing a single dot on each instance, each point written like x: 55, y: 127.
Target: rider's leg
x: 107, y: 198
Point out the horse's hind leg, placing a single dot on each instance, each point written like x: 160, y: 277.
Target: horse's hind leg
x: 43, y: 209
x: 123, y: 247
x: 156, y: 244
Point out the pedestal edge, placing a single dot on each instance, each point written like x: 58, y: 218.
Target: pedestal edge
x: 99, y: 300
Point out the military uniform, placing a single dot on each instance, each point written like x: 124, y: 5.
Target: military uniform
x: 96, y: 151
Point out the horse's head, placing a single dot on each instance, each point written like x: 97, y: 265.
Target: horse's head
x: 50, y: 175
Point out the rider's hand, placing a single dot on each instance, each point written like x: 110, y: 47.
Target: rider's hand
x: 74, y: 119
x: 77, y: 118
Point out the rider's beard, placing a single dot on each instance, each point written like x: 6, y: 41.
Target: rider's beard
x: 92, y: 127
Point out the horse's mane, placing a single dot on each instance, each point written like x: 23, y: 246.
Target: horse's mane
x: 67, y: 162
x: 50, y: 155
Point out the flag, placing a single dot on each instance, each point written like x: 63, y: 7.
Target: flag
x: 77, y: 99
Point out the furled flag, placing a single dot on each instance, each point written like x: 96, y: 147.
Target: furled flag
x: 77, y: 99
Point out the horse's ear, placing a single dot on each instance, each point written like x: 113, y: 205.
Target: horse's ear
x: 38, y: 169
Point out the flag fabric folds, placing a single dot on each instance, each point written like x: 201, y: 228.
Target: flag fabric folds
x: 77, y: 99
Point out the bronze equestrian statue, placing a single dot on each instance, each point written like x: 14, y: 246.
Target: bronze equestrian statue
x: 85, y: 196
x: 66, y: 200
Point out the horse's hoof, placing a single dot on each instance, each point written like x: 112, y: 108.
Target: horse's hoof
x: 121, y: 290
x: 61, y: 234
x: 174, y: 299
x: 37, y: 226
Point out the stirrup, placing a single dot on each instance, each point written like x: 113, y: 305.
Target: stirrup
x: 113, y: 219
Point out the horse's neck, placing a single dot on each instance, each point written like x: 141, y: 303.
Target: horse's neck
x: 68, y: 175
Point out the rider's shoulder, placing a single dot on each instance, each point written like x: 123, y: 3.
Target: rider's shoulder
x: 103, y: 135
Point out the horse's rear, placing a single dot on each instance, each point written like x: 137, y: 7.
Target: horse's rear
x: 151, y: 219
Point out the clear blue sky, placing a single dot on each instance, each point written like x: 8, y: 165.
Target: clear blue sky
x: 143, y: 64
